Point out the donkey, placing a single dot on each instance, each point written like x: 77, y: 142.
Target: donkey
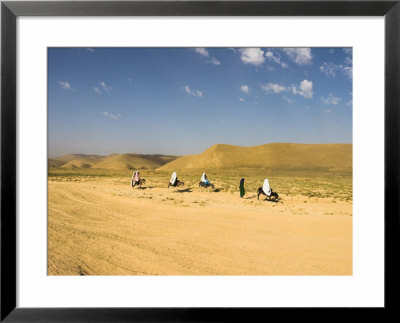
x: 139, y: 183
x: 273, y: 194
x: 202, y: 184
x: 178, y: 183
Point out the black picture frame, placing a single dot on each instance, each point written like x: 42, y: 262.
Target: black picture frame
x: 10, y: 10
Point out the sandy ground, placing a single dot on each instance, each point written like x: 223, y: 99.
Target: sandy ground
x: 105, y: 227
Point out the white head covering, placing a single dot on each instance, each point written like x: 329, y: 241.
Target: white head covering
x: 266, y: 188
x: 137, y: 176
x: 173, y: 178
x: 203, y: 177
x: 133, y: 178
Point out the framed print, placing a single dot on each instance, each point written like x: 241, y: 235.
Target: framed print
x: 198, y: 161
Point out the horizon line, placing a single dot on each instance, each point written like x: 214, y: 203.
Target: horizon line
x: 180, y: 155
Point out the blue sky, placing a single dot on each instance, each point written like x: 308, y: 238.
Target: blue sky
x: 183, y: 100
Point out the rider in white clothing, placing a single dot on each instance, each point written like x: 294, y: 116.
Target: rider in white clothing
x: 173, y: 179
x: 133, y: 179
x: 266, y: 188
x: 204, y: 179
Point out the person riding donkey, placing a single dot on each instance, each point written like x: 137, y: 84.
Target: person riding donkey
x: 174, y: 181
x: 204, y: 182
x: 267, y: 191
x: 204, y: 179
x: 136, y: 180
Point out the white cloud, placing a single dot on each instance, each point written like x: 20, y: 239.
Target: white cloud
x: 241, y: 99
x: 65, y: 85
x: 193, y: 92
x: 271, y: 57
x: 348, y: 71
x: 116, y: 117
x: 253, y: 56
x: 90, y: 49
x: 245, y: 89
x: 348, y: 50
x: 331, y: 69
x: 202, y: 51
x: 105, y: 87
x: 328, y: 110
x: 270, y: 68
x: 273, y: 88
x: 214, y: 61
x: 306, y: 89
x: 331, y: 100
x: 289, y: 100
x: 301, y: 56
x: 102, y: 88
x: 97, y: 90
x: 111, y: 115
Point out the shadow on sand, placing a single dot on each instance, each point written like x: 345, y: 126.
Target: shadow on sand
x: 185, y: 190
x: 271, y: 200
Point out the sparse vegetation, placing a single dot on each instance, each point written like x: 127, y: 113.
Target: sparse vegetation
x: 313, y: 171
x: 335, y: 185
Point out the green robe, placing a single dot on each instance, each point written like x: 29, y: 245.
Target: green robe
x: 241, y: 187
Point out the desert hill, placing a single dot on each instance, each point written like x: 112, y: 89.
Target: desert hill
x: 112, y: 161
x: 83, y: 162
x: 131, y: 161
x: 71, y: 157
x: 274, y: 156
x: 54, y: 163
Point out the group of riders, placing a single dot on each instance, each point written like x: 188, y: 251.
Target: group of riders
x: 205, y: 182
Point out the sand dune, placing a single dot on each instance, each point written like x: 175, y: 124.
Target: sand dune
x: 113, y: 161
x: 278, y: 156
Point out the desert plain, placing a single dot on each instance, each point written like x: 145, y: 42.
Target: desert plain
x: 99, y: 225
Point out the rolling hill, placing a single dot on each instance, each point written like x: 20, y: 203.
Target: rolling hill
x: 131, y: 161
x: 83, y: 162
x: 274, y: 156
x: 54, y: 163
x: 113, y: 161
